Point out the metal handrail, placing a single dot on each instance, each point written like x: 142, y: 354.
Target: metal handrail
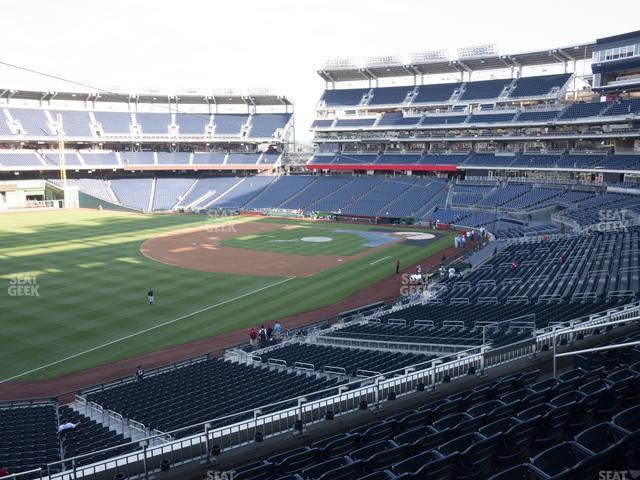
x: 464, y: 358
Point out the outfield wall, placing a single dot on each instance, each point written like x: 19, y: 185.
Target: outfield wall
x: 87, y: 201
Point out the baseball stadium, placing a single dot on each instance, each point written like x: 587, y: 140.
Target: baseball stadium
x: 444, y: 284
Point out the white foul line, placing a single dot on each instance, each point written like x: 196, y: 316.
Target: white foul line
x: 146, y: 330
x: 379, y: 260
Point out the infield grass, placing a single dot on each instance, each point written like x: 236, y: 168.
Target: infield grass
x: 292, y: 241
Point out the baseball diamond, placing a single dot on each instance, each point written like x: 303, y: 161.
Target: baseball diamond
x: 98, y: 264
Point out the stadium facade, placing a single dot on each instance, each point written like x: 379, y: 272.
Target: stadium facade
x: 516, y: 122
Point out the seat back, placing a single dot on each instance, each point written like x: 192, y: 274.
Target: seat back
x: 431, y: 441
x: 478, y: 460
x: 560, y: 458
x: 441, y: 469
x: 601, y: 437
x: 299, y: 461
x: 386, y: 458
x: 485, y: 407
x: 447, y: 408
x: 365, y: 452
x: 345, y: 472
x: 415, y: 462
x: 381, y: 431
x: 628, y: 419
x: 414, y: 434
x: 498, y: 427
x: 277, y: 459
x: 266, y: 471
x: 320, y: 469
x: 340, y: 445
x: 460, y: 444
x: 414, y: 419
x: 451, y: 421
x: 517, y: 441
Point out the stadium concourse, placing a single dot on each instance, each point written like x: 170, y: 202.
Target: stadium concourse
x: 517, y: 359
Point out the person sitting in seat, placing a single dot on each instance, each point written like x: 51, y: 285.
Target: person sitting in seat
x: 443, y: 272
x: 67, y: 425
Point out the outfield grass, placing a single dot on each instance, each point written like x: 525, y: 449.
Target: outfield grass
x: 289, y: 241
x: 92, y: 281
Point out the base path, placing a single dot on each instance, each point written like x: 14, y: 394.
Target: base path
x: 67, y: 385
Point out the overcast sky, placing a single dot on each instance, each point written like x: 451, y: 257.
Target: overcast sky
x: 277, y: 43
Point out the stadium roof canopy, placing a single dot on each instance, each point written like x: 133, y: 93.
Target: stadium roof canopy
x: 438, y: 62
x: 186, y: 96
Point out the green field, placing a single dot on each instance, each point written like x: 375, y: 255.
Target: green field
x: 289, y: 241
x: 91, y: 282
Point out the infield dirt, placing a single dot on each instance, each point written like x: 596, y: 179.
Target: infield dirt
x: 200, y: 249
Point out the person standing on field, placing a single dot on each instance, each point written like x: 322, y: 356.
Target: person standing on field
x: 150, y: 296
x: 269, y: 333
x: 277, y: 331
x: 398, y: 266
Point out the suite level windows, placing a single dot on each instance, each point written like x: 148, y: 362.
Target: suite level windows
x: 617, y: 53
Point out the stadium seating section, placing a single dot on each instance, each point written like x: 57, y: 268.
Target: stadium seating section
x: 29, y: 437
x: 528, y: 87
x: 351, y: 360
x: 458, y: 115
x: 425, y: 199
x: 202, y: 391
x: 519, y: 426
x: 403, y: 161
x: 41, y: 122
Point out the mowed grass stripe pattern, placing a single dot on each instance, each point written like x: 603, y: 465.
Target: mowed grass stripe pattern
x: 92, y: 285
x: 290, y: 241
x: 92, y: 282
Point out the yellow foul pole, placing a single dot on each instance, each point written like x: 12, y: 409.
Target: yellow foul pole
x: 63, y: 165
